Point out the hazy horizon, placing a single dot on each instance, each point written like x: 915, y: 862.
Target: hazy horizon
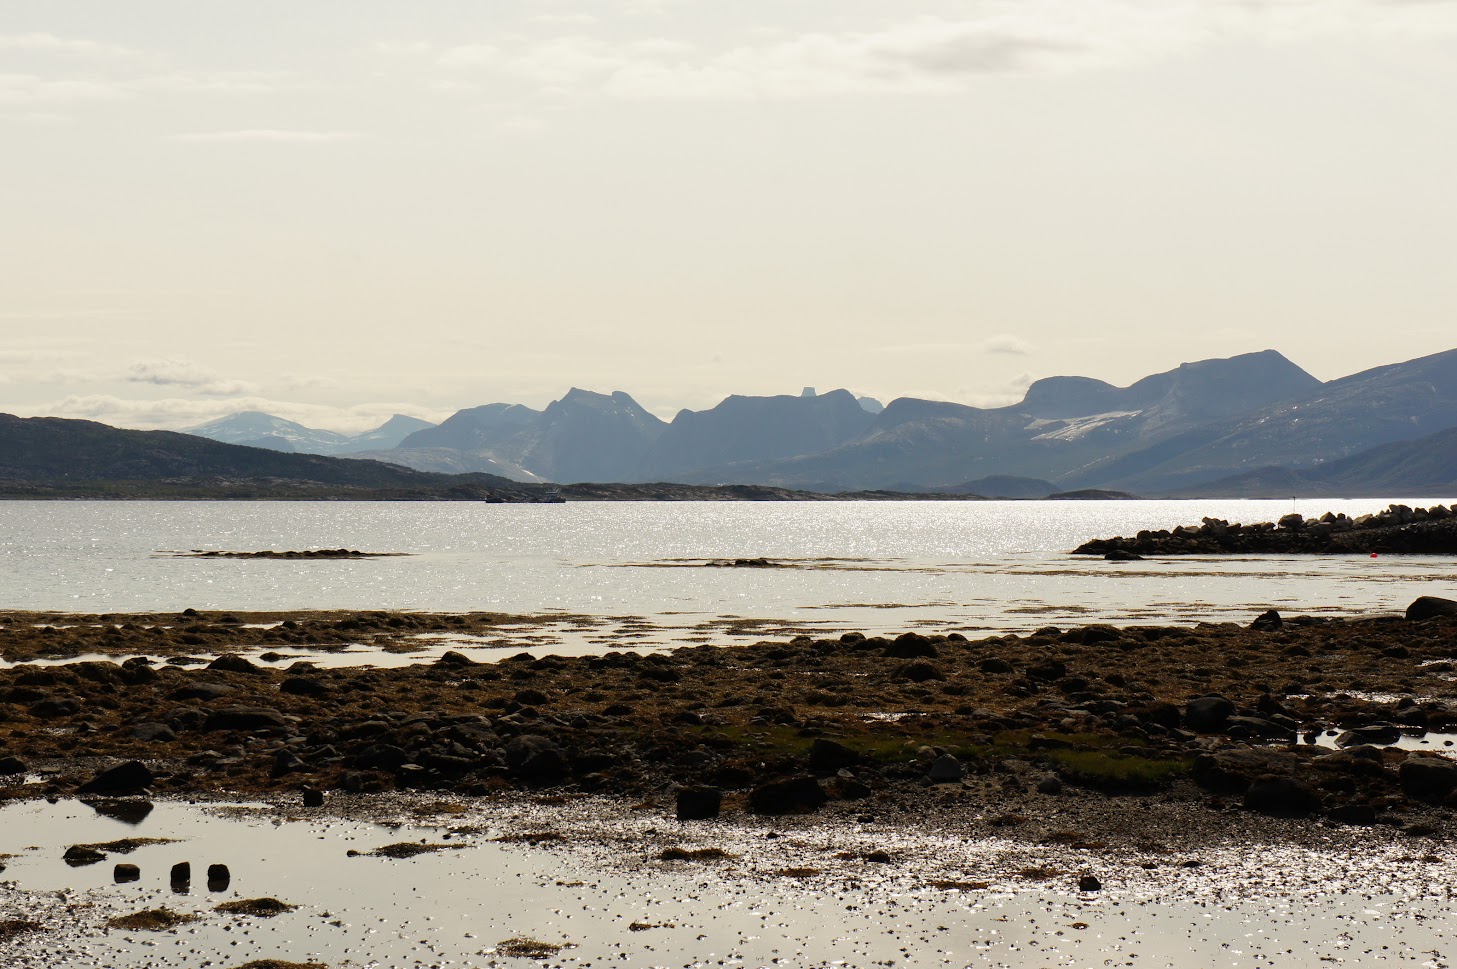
x: 337, y: 212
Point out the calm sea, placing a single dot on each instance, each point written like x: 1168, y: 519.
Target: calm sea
x: 887, y: 567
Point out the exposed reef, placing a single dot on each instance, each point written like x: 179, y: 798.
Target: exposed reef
x: 1207, y: 719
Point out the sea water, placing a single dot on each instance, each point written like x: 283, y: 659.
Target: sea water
x: 870, y: 566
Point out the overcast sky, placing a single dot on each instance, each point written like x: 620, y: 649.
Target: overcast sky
x: 338, y: 209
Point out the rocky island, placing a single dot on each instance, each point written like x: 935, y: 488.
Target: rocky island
x: 1398, y: 529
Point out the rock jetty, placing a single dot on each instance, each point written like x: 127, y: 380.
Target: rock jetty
x: 1398, y: 529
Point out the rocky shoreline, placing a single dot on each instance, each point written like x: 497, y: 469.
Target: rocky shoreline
x: 1215, y: 722
x: 1398, y: 529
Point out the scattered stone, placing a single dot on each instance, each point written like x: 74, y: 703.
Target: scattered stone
x: 1208, y: 714
x: 1089, y: 883
x: 1428, y: 777
x: 180, y: 877
x: 827, y: 756
x: 123, y: 873
x: 218, y: 878
x: 1281, y: 797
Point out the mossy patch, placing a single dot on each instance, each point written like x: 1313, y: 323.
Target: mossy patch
x: 695, y: 854
x: 152, y: 920
x: 264, y: 908
x: 523, y: 948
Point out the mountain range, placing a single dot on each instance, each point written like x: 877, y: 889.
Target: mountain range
x: 1251, y: 422
x: 257, y: 429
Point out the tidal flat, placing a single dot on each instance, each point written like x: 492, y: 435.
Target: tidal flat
x: 1266, y: 793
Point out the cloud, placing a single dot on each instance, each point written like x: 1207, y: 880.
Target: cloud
x: 31, y: 89
x: 929, y: 55
x: 185, y: 373
x: 1006, y: 343
x: 275, y: 135
x: 44, y: 43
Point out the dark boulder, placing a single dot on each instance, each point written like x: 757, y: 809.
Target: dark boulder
x: 1208, y: 714
x: 303, y: 686
x: 919, y: 672
x: 13, y: 765
x: 123, y: 873
x: 536, y: 758
x: 1089, y: 883
x: 1281, y: 797
x: 1430, y: 607
x: 794, y: 795
x: 946, y: 769
x: 201, y: 690
x: 699, y: 803
x: 50, y: 709
x: 1373, y: 734
x: 1122, y: 555
x: 911, y: 646
x: 130, y: 778
x: 827, y: 756
x: 233, y: 663
x: 245, y: 718
x: 1267, y: 621
x: 153, y: 732
x: 1427, y: 777
x: 79, y: 855
x: 994, y: 664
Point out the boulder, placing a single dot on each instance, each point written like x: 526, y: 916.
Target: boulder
x: 1281, y: 797
x: 1089, y: 883
x: 153, y: 732
x: 78, y: 855
x: 245, y: 718
x: 794, y: 795
x: 827, y: 756
x: 1430, y: 607
x: 1373, y: 734
x: 123, y: 873
x: 233, y: 663
x: 1208, y: 714
x: 536, y: 758
x: 699, y: 803
x: 129, y: 778
x: 946, y: 770
x: 1267, y: 621
x: 1428, y: 777
x: 218, y: 878
x: 911, y: 646
x: 13, y: 765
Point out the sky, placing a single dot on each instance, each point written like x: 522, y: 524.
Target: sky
x: 336, y: 210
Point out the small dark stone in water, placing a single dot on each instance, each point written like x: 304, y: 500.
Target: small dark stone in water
x: 78, y: 855
x: 124, y: 873
x: 181, y: 876
x: 313, y: 798
x: 1089, y: 883
x: 218, y: 878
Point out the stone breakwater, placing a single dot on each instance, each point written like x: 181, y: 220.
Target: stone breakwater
x: 1398, y: 529
x: 1214, y: 718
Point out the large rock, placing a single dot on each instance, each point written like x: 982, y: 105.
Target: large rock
x: 1430, y: 607
x: 794, y: 795
x: 699, y: 803
x: 1428, y: 777
x: 133, y: 777
x: 1208, y: 714
x: 1281, y: 797
x: 536, y: 758
x: 245, y: 718
x: 946, y: 770
x: 827, y: 756
x: 1373, y: 734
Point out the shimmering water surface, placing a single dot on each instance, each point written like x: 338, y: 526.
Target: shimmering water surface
x: 872, y: 566
x: 800, y: 897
